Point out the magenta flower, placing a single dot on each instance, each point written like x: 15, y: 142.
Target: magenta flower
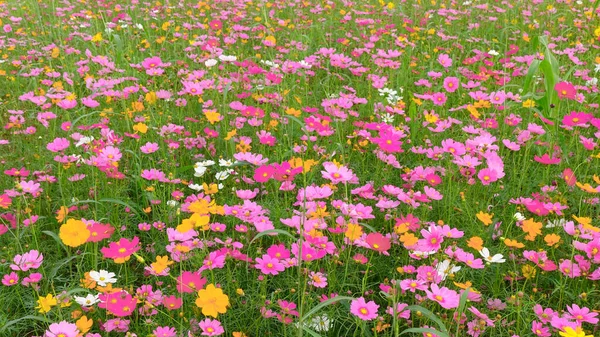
x: 378, y: 242
x: 10, y: 279
x: 581, y: 315
x: 565, y: 90
x: 451, y: 84
x: 263, y: 173
x: 445, y: 60
x: 317, y: 280
x: 30, y: 260
x: 165, y: 331
x: 445, y: 297
x: 364, y: 310
x: 487, y: 176
x: 269, y: 265
x: 122, y: 250
x: 149, y: 148
x: 58, y: 144
x: 62, y: 329
x: 211, y: 327
x: 172, y: 302
x: 439, y: 98
x: 189, y: 282
x: 120, y: 304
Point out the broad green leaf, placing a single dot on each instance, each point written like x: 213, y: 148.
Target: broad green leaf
x: 429, y: 315
x: 324, y: 304
x: 272, y: 231
x: 423, y: 330
x: 28, y: 317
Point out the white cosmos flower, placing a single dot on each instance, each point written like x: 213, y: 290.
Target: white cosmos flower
x: 139, y: 26
x: 205, y: 163
x: 227, y: 58
x: 444, y: 269
x: 172, y: 203
x: 103, y: 277
x: 195, y: 187
x: 222, y: 175
x: 493, y: 52
x: 199, y: 171
x: 87, y: 301
x: 210, y: 63
x: 498, y: 258
x: 518, y: 216
x: 320, y: 323
x: 226, y: 163
x: 84, y: 140
x: 556, y: 223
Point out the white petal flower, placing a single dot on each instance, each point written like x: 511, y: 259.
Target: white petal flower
x: 103, y: 277
x: 498, y: 258
x: 210, y: 63
x: 87, y: 301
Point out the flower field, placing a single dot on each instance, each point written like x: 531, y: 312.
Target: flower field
x: 248, y: 168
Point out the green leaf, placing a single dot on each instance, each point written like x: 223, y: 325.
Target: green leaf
x: 533, y: 69
x: 272, y: 231
x: 324, y: 304
x: 57, y: 239
x: 15, y: 321
x: 429, y: 315
x: 59, y: 265
x: 310, y: 332
x: 423, y: 330
x: 463, y: 301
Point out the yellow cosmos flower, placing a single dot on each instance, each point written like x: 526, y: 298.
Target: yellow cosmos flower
x: 212, y: 301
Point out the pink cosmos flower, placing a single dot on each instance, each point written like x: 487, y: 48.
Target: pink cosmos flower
x: 451, y: 84
x: 364, y: 310
x: 214, y: 260
x: 58, y: 144
x: 62, y: 329
x: 546, y: 159
x: 445, y: 60
x: 413, y: 285
x: 317, y: 279
x: 378, y: 242
x: 122, y: 250
x: 247, y: 194
x: 10, y: 279
x: 32, y: 279
x: 445, y: 297
x: 269, y: 265
x: 388, y: 141
x: 581, y: 315
x: 211, y: 327
x: 336, y: 174
x: 149, y: 148
x: 263, y: 173
x: 172, y: 302
x: 190, y: 282
x: 152, y: 62
x: 116, y: 324
x: 539, y: 329
x: 498, y: 97
x: 165, y: 331
x: 565, y: 90
x: 278, y: 252
x: 487, y: 176
x: 439, y: 98
x: 570, y: 269
x: 120, y: 304
x: 30, y: 187
x: 577, y: 118
x: 30, y: 260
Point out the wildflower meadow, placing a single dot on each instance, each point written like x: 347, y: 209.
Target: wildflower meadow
x: 257, y: 168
